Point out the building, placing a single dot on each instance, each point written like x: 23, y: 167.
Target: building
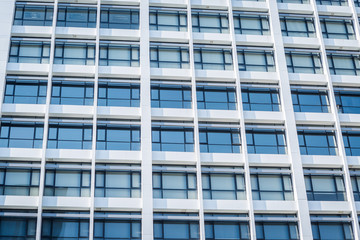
x: 163, y: 119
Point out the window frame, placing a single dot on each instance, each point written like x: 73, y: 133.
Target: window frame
x: 35, y: 142
x: 353, y: 57
x: 178, y: 13
x: 87, y: 88
x: 281, y: 173
x: 278, y: 132
x: 16, y: 46
x: 62, y: 21
x: 33, y: 179
x: 188, y: 173
x: 249, y: 90
x: 297, y: 92
x: 51, y: 188
x: 206, y: 102
x: 12, y: 96
x: 134, y: 133
x: 304, y: 149
x: 333, y: 174
x: 159, y: 145
x: 202, y: 62
x: 197, y: 19
x: 159, y: 101
x: 26, y: 8
x: 232, y: 130
x: 85, y: 142
x: 307, y: 20
x: 315, y: 57
x: 320, y: 219
x: 267, y: 55
x: 107, y: 10
x: 261, y: 17
x: 133, y: 171
x: 105, y: 52
x: 239, y: 192
x: 62, y: 46
x: 157, y: 50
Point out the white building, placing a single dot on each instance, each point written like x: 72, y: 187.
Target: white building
x: 163, y: 119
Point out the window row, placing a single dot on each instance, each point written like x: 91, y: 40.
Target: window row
x: 177, y: 95
x: 169, y: 56
x: 255, y: 97
x: 261, y: 139
x: 169, y: 225
x: 176, y: 20
x: 172, y: 182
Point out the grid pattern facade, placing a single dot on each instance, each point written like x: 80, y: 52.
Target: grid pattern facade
x: 160, y: 119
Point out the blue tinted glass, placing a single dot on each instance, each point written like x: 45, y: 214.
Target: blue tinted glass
x: 276, y: 231
x: 176, y: 231
x: 228, y: 231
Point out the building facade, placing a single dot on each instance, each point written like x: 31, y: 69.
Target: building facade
x: 162, y: 119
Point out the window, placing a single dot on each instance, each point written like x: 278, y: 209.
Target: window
x: 226, y: 226
x: 33, y: 15
x: 163, y: 20
x: 119, y: 55
x: 65, y: 225
x: 118, y: 94
x: 74, y: 53
x: 174, y: 182
x: 332, y: 2
x: 169, y: 57
x: 324, y: 185
x: 119, y: 18
x: 256, y: 60
x: 263, y: 140
x: 214, y: 59
x: 25, y: 91
x: 317, y: 142
x: 120, y: 181
x: 29, y: 52
x: 303, y: 62
x: 20, y: 179
x: 17, y: 134
x: 344, y: 64
x: 68, y: 180
x: 176, y: 226
x: 117, y: 136
x: 357, y: 3
x: 76, y: 16
x: 252, y: 24
x: 18, y: 224
x: 355, y: 183
x: 219, y: 139
x: 347, y: 100
x: 294, y: 26
x: 170, y: 96
x: 216, y: 97
x: 117, y: 225
x: 337, y: 28
x: 294, y: 1
x: 331, y: 227
x: 276, y: 226
x: 271, y: 184
x: 172, y: 138
x: 72, y: 93
x: 67, y: 135
x: 310, y: 100
x: 256, y: 98
x: 351, y: 140
x: 210, y: 22
x: 226, y: 183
